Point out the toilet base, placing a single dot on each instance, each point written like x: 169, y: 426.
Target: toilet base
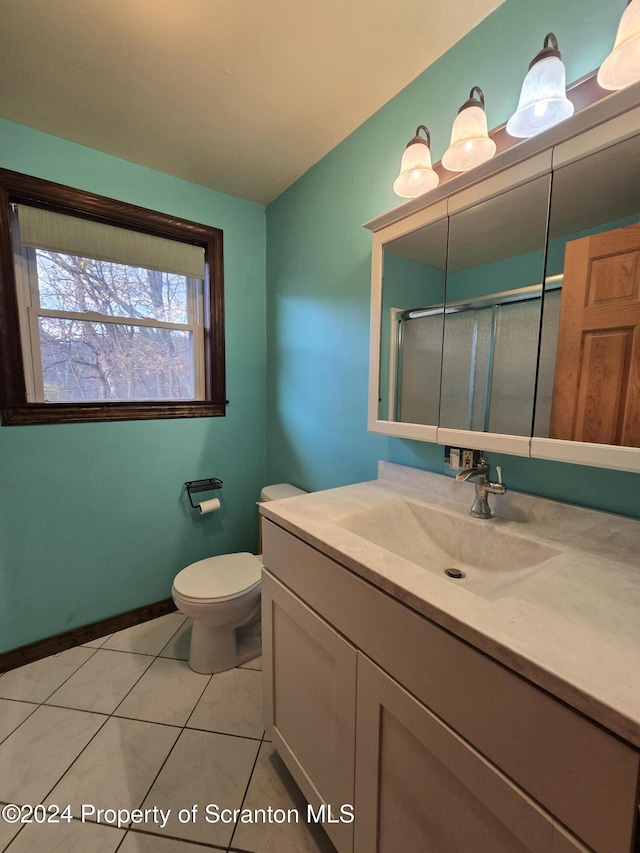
x: 216, y: 648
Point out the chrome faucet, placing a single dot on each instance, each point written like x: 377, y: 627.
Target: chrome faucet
x: 480, y: 507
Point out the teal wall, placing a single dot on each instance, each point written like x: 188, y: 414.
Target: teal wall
x: 318, y: 262
x: 92, y: 518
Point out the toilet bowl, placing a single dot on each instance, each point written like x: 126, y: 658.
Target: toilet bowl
x: 222, y: 597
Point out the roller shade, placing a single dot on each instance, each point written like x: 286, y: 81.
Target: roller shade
x: 44, y: 229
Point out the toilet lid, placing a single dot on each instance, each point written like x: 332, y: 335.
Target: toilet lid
x: 219, y: 577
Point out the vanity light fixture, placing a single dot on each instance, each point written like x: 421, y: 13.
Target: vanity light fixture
x: 416, y: 172
x: 470, y: 142
x: 622, y: 66
x: 543, y: 100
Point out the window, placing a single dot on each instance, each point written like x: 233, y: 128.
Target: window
x: 107, y: 311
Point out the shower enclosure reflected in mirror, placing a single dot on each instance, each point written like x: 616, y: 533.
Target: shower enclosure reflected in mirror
x: 411, y: 325
x: 495, y: 271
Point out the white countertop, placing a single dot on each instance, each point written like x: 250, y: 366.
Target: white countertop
x: 571, y: 626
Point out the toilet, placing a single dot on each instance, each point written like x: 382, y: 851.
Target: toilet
x: 222, y: 597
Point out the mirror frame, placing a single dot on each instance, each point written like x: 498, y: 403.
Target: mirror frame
x: 612, y: 119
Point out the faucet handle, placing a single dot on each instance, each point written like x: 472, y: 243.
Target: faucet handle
x: 499, y: 474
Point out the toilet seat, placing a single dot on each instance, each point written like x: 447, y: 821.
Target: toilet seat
x: 219, y: 578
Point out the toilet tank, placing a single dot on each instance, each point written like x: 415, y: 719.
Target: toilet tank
x: 275, y: 493
x: 278, y: 491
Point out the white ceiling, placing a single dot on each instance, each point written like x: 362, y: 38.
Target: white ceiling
x: 242, y: 96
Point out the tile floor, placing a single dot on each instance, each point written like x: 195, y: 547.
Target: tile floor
x: 123, y: 723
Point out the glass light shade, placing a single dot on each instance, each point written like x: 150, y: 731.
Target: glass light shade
x: 543, y: 99
x: 416, y: 173
x: 470, y: 143
x: 622, y: 67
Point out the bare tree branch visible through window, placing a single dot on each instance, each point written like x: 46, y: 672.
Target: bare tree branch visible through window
x: 93, y: 360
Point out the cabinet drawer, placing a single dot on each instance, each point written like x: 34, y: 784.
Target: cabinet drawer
x: 579, y: 772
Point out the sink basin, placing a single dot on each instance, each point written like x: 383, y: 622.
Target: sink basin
x: 490, y: 558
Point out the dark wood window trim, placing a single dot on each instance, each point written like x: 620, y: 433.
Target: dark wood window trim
x: 15, y: 410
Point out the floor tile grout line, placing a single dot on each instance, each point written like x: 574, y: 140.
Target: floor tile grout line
x: 246, y: 791
x: 93, y: 652
x: 20, y: 723
x: 48, y: 794
x: 181, y: 839
x: 181, y: 626
x: 150, y: 654
x: 197, y: 728
x: 116, y: 717
x: 128, y: 652
x: 42, y: 704
x: 121, y: 842
x: 210, y: 679
x: 224, y: 734
x: 44, y: 798
x: 155, y: 658
x: 160, y: 769
x: 178, y: 725
x: 136, y: 682
x: 11, y: 840
x: 22, y: 701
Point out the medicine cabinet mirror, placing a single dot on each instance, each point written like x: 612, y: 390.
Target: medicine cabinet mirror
x: 413, y: 283
x: 493, y: 307
x: 589, y: 382
x: 506, y: 309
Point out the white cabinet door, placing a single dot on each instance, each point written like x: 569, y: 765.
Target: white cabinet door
x: 421, y: 789
x: 310, y: 696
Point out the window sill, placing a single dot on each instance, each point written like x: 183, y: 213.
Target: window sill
x: 73, y: 413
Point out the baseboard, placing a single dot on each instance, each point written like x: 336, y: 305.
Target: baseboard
x: 77, y: 636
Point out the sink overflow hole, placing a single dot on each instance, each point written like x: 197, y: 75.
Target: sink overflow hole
x: 454, y: 573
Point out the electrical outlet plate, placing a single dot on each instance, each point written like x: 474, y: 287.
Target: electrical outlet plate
x: 461, y: 460
x: 467, y: 459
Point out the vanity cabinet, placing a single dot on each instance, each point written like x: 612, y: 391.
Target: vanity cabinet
x: 437, y: 745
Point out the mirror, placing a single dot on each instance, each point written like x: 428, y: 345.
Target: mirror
x: 589, y: 383
x: 506, y: 305
x: 411, y: 325
x: 495, y: 270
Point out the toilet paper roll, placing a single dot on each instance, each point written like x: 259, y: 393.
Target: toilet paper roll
x: 209, y: 506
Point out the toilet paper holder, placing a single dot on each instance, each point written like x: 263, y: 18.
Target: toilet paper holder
x: 207, y: 485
